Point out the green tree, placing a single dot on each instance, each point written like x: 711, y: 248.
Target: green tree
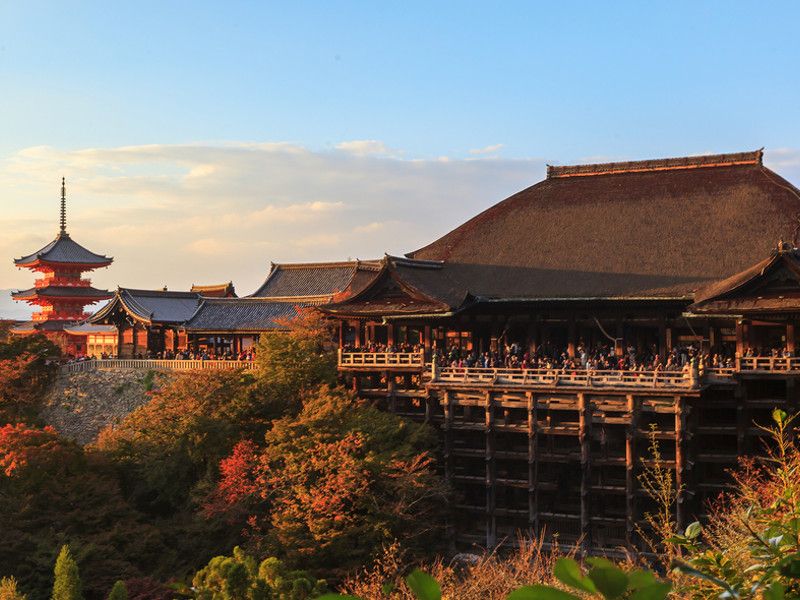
x: 119, y: 591
x: 9, y: 590
x: 298, y: 359
x: 67, y: 584
x: 240, y: 577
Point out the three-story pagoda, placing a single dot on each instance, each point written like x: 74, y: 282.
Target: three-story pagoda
x: 62, y: 292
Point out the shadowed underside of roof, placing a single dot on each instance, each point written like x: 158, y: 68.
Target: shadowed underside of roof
x: 647, y: 229
x: 64, y: 250
x: 240, y: 315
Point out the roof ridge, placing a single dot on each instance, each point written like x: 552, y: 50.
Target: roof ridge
x: 661, y: 164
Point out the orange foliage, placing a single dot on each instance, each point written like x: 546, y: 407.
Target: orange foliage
x: 22, y: 447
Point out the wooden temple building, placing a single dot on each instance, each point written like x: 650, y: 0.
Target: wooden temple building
x: 549, y: 337
x: 61, y: 293
x: 149, y: 323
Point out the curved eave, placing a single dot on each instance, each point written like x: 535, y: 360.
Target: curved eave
x: 40, y: 262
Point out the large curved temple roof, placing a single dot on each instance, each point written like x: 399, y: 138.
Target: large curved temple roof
x: 645, y: 229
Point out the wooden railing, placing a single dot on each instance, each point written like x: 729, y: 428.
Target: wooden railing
x: 155, y: 365
x: 771, y: 364
x: 572, y: 377
x: 381, y: 359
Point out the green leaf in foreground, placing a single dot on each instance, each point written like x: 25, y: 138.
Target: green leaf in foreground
x: 568, y: 572
x: 540, y: 592
x: 609, y: 581
x: 423, y: 585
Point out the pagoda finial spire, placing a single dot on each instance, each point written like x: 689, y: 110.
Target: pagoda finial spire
x: 63, y: 205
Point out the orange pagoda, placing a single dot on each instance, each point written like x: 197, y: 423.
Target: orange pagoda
x: 62, y: 292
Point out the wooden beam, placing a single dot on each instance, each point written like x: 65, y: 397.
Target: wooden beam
x: 491, y: 470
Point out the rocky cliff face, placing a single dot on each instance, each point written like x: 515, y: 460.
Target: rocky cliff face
x: 81, y: 404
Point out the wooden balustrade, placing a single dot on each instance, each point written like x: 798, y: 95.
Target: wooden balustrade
x: 381, y: 359
x: 771, y: 364
x: 568, y: 377
x: 155, y: 365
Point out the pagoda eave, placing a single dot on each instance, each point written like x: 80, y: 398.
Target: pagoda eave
x: 49, y: 264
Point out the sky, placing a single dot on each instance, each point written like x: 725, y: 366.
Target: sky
x: 201, y: 141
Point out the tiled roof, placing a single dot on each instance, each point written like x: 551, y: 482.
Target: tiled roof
x: 64, y: 250
x: 312, y: 280
x: 240, y: 314
x: 220, y: 290
x: 89, y: 328
x: 153, y: 306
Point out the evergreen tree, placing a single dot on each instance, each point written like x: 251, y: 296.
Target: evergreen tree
x: 9, y: 591
x: 67, y: 584
x: 119, y: 591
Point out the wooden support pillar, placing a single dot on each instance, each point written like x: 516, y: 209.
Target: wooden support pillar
x: 120, y: 339
x: 390, y: 334
x: 571, y: 336
x: 740, y: 349
x: 341, y: 334
x: 669, y: 341
x: 680, y: 461
x: 633, y: 406
x: 662, y: 336
x: 585, y: 436
x: 491, y: 520
x: 426, y: 339
x: 391, y: 391
x: 790, y: 340
x: 134, y: 339
x: 713, y: 337
x: 742, y: 418
x: 359, y: 337
x: 619, y: 342
x: 533, y: 467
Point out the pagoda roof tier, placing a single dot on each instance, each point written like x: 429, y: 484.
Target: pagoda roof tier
x: 67, y: 292
x: 27, y: 327
x: 317, y: 282
x: 150, y: 306
x: 64, y: 251
x: 619, y: 231
x: 241, y: 315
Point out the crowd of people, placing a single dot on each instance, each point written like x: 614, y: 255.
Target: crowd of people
x: 598, y: 358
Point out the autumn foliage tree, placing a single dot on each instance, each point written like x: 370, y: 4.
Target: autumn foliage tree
x: 26, y: 370
x: 331, y: 485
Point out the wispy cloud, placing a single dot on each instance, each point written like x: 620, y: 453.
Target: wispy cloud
x: 493, y: 149
x: 366, y: 148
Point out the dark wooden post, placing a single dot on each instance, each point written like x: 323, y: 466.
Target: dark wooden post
x: 584, y: 434
x: 790, y: 340
x: 680, y: 462
x: 134, y: 339
x: 491, y: 523
x: 533, y: 466
x: 571, y: 335
x: 630, y: 469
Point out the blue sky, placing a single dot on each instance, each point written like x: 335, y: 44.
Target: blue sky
x: 395, y: 120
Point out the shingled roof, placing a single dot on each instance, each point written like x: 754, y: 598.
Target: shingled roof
x: 64, y: 250
x: 240, y: 315
x: 645, y: 229
x: 771, y: 285
x: 151, y: 306
x: 318, y: 282
x: 219, y: 290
